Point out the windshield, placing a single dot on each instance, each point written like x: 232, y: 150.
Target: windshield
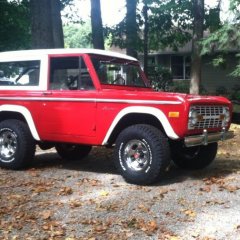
x: 113, y: 71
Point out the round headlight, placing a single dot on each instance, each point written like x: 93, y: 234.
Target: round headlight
x: 193, y: 117
x: 227, y: 117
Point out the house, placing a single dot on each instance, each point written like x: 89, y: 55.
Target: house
x: 214, y: 78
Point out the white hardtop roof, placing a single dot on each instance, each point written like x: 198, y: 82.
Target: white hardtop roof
x: 43, y: 52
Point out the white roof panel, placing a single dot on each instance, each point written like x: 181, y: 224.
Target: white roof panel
x: 44, y: 52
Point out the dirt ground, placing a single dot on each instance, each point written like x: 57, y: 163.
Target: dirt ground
x: 89, y: 200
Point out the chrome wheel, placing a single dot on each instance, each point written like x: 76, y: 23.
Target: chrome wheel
x: 136, y: 155
x: 8, y: 146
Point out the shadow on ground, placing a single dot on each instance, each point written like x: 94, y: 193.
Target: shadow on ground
x: 100, y: 160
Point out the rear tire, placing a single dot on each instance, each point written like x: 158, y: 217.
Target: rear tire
x: 141, y: 154
x: 17, y: 146
x: 193, y: 158
x: 72, y: 152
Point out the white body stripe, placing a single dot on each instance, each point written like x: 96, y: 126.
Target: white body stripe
x: 27, y: 115
x: 97, y: 100
x: 145, y: 110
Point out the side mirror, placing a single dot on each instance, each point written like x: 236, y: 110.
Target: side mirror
x: 1, y: 74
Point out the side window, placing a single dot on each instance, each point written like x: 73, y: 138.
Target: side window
x: 69, y: 73
x: 21, y: 73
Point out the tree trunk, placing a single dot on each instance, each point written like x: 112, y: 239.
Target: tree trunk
x: 46, y: 21
x: 131, y: 28
x: 196, y: 66
x: 42, y: 36
x: 146, y: 31
x: 57, y: 30
x: 97, y: 27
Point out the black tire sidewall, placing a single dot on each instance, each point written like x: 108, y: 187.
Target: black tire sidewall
x: 25, y: 144
x: 157, y: 146
x: 204, y: 156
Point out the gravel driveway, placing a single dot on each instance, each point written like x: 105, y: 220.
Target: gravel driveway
x: 89, y: 200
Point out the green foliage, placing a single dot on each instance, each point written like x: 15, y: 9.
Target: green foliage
x: 221, y: 91
x: 169, y: 25
x: 235, y: 95
x: 212, y: 19
x: 225, y: 39
x: 161, y: 78
x: 182, y: 86
x: 219, y: 61
x: 77, y: 35
x: 15, y: 25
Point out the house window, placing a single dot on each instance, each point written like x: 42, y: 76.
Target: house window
x: 181, y: 67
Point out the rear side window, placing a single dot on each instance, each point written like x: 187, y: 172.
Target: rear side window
x: 21, y: 73
x: 69, y: 73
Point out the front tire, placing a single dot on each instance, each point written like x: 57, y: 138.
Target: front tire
x: 72, y: 152
x: 17, y: 146
x: 193, y: 158
x: 141, y: 154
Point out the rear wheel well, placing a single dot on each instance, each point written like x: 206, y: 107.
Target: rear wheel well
x: 5, y: 115
x: 133, y: 119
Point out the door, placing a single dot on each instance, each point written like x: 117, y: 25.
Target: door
x: 69, y: 106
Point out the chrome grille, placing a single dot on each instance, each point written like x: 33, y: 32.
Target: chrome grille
x: 209, y: 117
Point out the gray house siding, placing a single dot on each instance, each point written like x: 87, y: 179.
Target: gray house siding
x: 212, y: 77
x: 215, y: 77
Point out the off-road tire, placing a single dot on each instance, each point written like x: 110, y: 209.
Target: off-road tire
x: 72, y: 152
x: 17, y: 146
x: 141, y: 154
x: 193, y: 158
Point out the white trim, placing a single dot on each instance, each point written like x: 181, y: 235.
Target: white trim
x: 24, y: 54
x: 145, y: 110
x: 97, y: 100
x: 25, y: 112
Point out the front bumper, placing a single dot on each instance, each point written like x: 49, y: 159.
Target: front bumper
x: 206, y: 138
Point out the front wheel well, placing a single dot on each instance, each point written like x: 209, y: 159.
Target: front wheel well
x: 133, y: 119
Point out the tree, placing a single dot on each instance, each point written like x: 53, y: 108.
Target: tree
x: 47, y: 31
x: 198, y: 26
x: 97, y: 27
x: 225, y: 38
x: 146, y: 34
x: 159, y: 24
x: 131, y: 28
x: 78, y: 35
x: 15, y: 24
x: 57, y: 28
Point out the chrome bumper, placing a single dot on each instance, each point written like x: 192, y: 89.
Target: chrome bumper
x: 206, y: 138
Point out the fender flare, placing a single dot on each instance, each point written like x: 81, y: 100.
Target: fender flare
x: 143, y: 110
x: 26, y: 114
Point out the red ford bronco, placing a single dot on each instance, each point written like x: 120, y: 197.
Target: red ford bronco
x: 73, y: 99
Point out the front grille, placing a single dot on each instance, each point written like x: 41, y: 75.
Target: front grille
x: 208, y: 117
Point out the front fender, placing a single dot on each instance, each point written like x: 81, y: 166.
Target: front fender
x: 143, y: 110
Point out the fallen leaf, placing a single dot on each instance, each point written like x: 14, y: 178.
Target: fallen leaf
x: 190, y: 213
x: 104, y: 193
x: 75, y: 203
x: 65, y: 191
x: 205, y: 189
x: 46, y: 214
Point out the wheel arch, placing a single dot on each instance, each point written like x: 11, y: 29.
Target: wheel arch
x: 139, y: 115
x: 8, y: 111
